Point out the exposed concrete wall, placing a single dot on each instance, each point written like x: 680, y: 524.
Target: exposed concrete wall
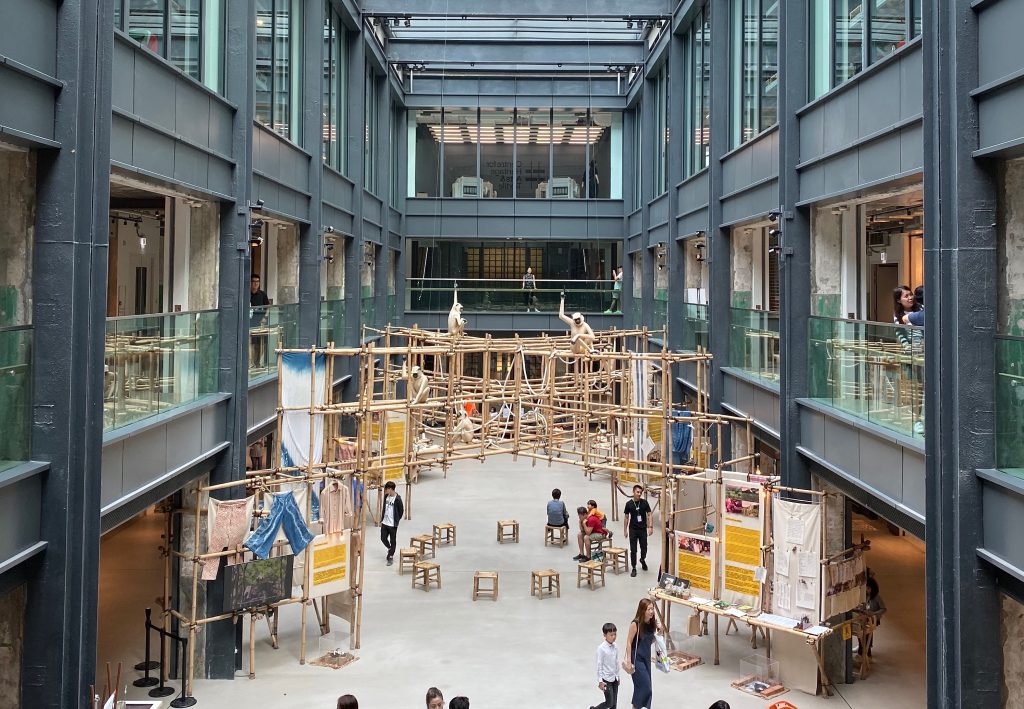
x: 17, y: 235
x: 1011, y: 634
x: 695, y: 274
x: 335, y: 272
x: 287, y: 281
x: 12, y: 638
x: 367, y: 270
x: 742, y: 267
x: 203, y: 264
x: 1011, y: 249
x: 826, y: 262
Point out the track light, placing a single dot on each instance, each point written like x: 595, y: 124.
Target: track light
x: 407, y: 22
x: 256, y: 233
x: 773, y: 216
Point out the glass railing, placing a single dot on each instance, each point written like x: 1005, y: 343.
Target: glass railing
x: 392, y: 306
x: 754, y: 343
x: 508, y: 295
x: 333, y: 322
x: 695, y: 327
x: 1010, y: 404
x: 659, y: 314
x: 368, y: 311
x: 874, y: 371
x: 154, y: 363
x: 15, y: 395
x: 271, y: 327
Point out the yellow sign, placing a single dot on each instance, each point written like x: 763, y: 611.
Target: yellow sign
x: 742, y: 545
x: 847, y: 631
x: 328, y: 570
x: 741, y: 580
x: 394, y: 449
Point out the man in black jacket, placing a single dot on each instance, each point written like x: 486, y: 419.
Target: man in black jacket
x: 393, y: 511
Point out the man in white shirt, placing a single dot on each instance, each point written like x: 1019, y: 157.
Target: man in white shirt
x: 608, y: 668
x: 392, y: 515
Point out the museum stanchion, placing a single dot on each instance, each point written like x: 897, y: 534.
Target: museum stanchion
x: 182, y: 700
x: 148, y: 664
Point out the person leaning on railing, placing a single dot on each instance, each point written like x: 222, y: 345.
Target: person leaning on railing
x: 908, y: 310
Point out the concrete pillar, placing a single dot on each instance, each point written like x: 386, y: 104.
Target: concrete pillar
x: 12, y: 640
x: 1011, y: 635
x: 17, y: 232
x: 826, y: 263
x: 203, y: 264
x: 286, y: 243
x: 1011, y: 248
x: 742, y: 268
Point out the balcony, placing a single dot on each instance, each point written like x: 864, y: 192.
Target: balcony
x: 270, y: 327
x: 1010, y: 405
x: 873, y: 371
x: 154, y: 363
x: 754, y: 343
x: 495, y: 295
x: 332, y: 323
x: 15, y: 395
x: 695, y: 327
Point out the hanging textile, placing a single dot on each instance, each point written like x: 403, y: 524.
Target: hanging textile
x: 295, y: 391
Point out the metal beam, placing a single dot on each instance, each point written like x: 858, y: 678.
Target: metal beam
x: 574, y: 53
x: 520, y: 10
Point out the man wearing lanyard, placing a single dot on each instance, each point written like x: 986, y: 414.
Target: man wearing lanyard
x: 638, y: 524
x: 393, y: 511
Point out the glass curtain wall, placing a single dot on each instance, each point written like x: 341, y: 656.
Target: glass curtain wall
x: 278, y: 56
x: 494, y: 152
x: 697, y: 66
x: 849, y: 35
x: 195, y: 29
x: 335, y: 83
x: 754, y: 67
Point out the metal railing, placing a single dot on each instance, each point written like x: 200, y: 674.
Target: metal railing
x: 271, y: 327
x: 1010, y: 404
x: 508, y: 295
x: 754, y: 343
x: 15, y: 395
x: 874, y: 371
x: 154, y: 363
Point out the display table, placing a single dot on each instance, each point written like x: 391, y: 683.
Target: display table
x: 764, y: 621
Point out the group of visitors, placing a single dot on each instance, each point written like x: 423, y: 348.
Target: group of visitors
x: 435, y: 700
x: 636, y: 662
x: 637, y: 525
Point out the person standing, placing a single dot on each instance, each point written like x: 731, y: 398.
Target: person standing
x: 616, y: 306
x: 393, y: 511
x: 258, y: 302
x: 608, y: 668
x: 637, y: 524
x: 638, y: 653
x: 529, y: 286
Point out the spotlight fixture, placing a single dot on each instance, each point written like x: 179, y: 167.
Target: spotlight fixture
x: 408, y: 21
x: 700, y: 246
x: 629, y: 24
x: 773, y: 216
x: 329, y: 258
x: 257, y: 206
x: 328, y: 229
x: 256, y: 233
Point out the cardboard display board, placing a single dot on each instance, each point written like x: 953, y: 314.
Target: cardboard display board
x: 328, y: 571
x: 796, y: 591
x: 742, y: 535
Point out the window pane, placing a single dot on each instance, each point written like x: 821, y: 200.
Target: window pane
x: 497, y: 135
x: 769, y: 63
x: 330, y: 128
x: 370, y: 131
x: 819, y: 72
x: 264, y: 60
x: 750, y: 70
x: 146, y: 24
x: 533, y: 139
x: 428, y: 153
x: 569, y: 153
x: 282, y: 66
x: 184, y: 49
x: 888, y: 27
x: 704, y: 36
x: 602, y: 167
x: 212, y: 50
x: 341, y: 94
x: 849, y: 29
x: 460, y: 140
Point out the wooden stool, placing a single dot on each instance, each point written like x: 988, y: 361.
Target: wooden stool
x: 424, y: 573
x: 553, y: 586
x: 593, y: 570
x: 613, y: 556
x: 550, y: 534
x: 601, y: 544
x: 407, y: 555
x: 492, y: 592
x: 422, y: 542
x: 444, y: 533
x: 508, y: 536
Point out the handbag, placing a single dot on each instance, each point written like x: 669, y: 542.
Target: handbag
x: 661, y: 660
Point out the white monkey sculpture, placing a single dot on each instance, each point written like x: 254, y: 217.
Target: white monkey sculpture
x: 581, y: 334
x: 465, y: 428
x: 456, y: 323
x: 419, y: 386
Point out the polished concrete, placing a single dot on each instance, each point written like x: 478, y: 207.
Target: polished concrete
x: 518, y: 651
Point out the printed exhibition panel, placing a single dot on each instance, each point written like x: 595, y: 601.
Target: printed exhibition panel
x: 742, y: 537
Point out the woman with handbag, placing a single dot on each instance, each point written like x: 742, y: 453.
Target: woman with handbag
x: 638, y: 653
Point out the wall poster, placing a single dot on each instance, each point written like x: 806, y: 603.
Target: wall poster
x: 742, y: 535
x: 697, y: 561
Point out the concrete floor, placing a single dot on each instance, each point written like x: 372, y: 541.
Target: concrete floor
x: 519, y: 651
